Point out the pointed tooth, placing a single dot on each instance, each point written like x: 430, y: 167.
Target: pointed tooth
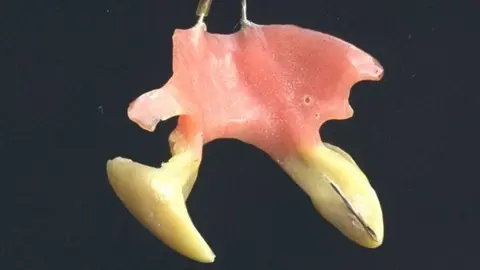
x: 340, y: 192
x: 156, y: 197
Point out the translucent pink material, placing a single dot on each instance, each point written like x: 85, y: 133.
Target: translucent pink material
x: 272, y: 86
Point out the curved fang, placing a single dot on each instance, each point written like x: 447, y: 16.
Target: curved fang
x: 156, y: 197
x: 340, y: 192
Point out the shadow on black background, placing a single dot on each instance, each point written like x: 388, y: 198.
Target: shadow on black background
x: 72, y: 67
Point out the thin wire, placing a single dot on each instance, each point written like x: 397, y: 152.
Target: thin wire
x: 202, y: 9
x: 244, y: 11
x: 244, y: 21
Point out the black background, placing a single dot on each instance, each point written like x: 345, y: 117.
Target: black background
x: 70, y: 68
